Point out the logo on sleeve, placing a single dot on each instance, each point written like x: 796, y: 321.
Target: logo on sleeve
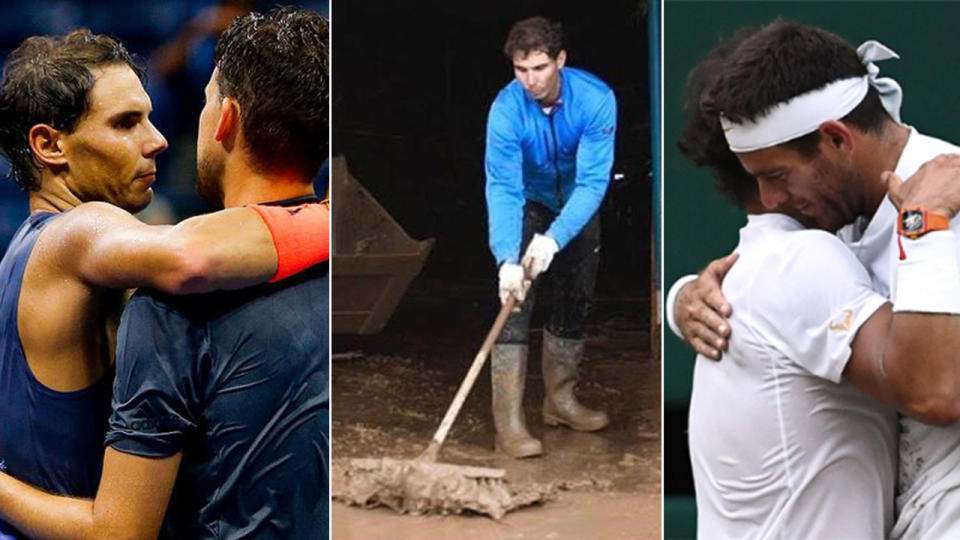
x: 842, y: 322
x: 158, y: 424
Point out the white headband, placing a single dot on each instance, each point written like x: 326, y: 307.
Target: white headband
x: 804, y: 113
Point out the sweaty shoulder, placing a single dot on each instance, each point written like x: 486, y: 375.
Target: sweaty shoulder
x: 77, y: 223
x: 96, y: 210
x: 64, y: 238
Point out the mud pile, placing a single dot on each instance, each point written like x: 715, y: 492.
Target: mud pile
x: 417, y: 487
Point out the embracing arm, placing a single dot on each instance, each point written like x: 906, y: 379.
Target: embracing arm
x: 130, y: 504
x: 910, y: 361
x: 229, y: 249
x: 697, y: 311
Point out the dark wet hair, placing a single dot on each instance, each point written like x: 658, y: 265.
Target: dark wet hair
x: 276, y: 66
x: 46, y: 80
x: 532, y: 35
x: 780, y: 61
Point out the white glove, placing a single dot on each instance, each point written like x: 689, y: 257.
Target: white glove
x: 512, y: 283
x: 539, y: 254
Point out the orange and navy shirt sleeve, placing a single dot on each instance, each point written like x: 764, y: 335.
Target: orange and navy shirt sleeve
x: 301, y: 235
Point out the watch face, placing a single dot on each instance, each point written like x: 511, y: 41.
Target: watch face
x: 912, y: 221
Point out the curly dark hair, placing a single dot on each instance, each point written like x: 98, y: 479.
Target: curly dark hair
x: 780, y: 61
x: 276, y: 66
x: 532, y: 35
x: 702, y: 140
x: 46, y: 80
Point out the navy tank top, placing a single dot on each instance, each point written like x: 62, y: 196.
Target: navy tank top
x: 52, y: 440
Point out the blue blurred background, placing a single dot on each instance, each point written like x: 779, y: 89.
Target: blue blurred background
x: 174, y: 40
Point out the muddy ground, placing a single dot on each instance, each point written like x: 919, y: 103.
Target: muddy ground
x: 391, y: 390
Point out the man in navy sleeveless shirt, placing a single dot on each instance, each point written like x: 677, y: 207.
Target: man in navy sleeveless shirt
x: 74, y: 125
x: 222, y: 399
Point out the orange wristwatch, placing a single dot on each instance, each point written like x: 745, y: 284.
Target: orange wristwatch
x: 916, y: 222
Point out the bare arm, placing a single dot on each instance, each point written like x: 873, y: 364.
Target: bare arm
x: 910, y: 361
x: 107, y: 246
x: 131, y: 502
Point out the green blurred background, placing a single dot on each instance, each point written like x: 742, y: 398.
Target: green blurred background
x: 700, y: 226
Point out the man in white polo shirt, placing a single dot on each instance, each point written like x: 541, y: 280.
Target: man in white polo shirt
x: 798, y: 110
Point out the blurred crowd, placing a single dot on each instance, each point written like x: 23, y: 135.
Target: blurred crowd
x: 174, y: 40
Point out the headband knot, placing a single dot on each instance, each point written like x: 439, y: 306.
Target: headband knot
x: 804, y: 113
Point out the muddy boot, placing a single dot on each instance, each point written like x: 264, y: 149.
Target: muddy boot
x: 508, y: 367
x: 561, y: 362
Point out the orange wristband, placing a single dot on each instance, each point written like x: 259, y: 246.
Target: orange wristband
x: 301, y: 235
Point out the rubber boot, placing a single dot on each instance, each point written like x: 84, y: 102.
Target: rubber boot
x: 561, y: 363
x: 508, y: 368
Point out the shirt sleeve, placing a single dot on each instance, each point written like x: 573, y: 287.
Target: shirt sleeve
x: 504, y: 169
x: 155, y: 390
x: 815, y: 298
x: 594, y: 163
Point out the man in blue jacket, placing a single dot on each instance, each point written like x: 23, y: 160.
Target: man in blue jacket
x: 550, y: 136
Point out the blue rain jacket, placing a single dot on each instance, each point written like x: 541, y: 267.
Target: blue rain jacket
x: 561, y: 159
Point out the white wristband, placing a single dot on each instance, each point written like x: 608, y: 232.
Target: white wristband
x: 671, y: 304
x: 928, y: 278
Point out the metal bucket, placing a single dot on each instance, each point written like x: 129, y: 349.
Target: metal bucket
x: 374, y: 260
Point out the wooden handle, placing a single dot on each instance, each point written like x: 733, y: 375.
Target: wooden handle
x: 433, y: 450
